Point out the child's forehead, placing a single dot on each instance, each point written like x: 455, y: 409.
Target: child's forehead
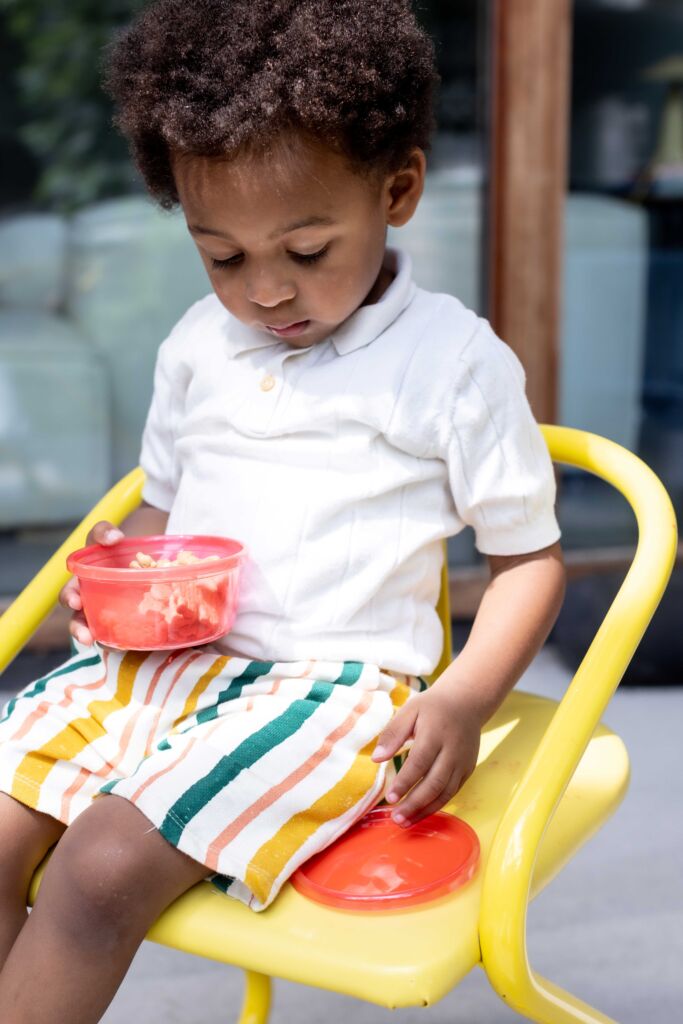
x: 306, y: 181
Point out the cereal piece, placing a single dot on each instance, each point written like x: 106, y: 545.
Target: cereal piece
x: 185, y: 558
x: 144, y: 561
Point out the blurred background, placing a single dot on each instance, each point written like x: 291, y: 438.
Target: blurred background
x: 93, y: 276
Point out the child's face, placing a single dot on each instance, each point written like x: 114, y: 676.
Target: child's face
x: 294, y: 246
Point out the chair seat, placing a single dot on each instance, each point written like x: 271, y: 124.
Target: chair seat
x: 410, y: 956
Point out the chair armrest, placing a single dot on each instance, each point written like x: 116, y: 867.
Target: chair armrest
x: 34, y: 603
x: 508, y: 873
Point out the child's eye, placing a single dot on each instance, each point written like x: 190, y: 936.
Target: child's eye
x: 309, y: 257
x: 300, y: 257
x: 230, y: 262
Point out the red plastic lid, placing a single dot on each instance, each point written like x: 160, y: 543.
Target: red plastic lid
x: 377, y: 865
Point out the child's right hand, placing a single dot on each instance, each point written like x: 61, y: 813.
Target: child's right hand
x: 70, y: 594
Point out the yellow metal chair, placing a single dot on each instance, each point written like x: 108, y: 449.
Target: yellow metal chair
x: 548, y: 776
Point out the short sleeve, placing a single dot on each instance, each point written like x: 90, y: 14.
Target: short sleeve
x: 500, y: 472
x: 157, y: 455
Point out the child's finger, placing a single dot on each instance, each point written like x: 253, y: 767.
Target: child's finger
x: 420, y: 764
x: 105, y: 532
x: 70, y: 595
x: 78, y: 628
x: 392, y: 738
x: 411, y: 813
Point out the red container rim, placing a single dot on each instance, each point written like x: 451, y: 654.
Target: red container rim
x: 89, y: 563
x: 445, y: 859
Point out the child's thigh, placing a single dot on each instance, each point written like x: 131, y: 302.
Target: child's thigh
x: 25, y: 837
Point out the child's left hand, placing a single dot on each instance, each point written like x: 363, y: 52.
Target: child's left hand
x: 446, y: 732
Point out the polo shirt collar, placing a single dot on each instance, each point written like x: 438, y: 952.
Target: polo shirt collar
x: 368, y: 322
x: 358, y: 330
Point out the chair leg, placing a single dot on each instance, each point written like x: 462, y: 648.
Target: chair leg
x: 256, y: 1003
x: 544, y: 1002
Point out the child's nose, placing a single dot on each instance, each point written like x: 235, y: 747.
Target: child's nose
x: 269, y: 290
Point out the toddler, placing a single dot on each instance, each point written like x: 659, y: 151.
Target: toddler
x: 337, y: 420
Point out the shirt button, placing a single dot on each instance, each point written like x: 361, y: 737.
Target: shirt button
x: 268, y: 383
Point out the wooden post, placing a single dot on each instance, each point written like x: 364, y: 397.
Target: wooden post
x: 530, y: 117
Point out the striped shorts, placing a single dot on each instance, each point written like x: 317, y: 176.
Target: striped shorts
x: 249, y: 767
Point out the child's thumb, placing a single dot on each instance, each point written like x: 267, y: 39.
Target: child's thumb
x: 394, y: 736
x: 104, y: 532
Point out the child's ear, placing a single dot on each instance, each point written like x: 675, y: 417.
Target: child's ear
x: 403, y: 189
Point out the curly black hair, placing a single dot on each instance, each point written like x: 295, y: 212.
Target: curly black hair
x: 220, y: 77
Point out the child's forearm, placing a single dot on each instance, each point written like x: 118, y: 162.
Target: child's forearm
x: 145, y: 520
x: 517, y: 611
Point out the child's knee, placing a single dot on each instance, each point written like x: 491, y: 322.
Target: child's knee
x: 112, y: 874
x: 25, y: 837
x: 95, y: 881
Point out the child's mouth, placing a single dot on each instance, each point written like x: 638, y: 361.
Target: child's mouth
x: 289, y: 330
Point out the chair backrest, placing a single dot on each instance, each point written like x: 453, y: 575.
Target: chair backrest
x: 509, y: 868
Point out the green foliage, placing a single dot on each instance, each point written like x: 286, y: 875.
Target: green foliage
x: 68, y: 118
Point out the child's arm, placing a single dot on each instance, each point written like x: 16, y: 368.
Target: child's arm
x: 517, y: 611
x: 146, y: 520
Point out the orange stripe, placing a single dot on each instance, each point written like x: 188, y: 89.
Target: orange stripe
x: 166, y: 663
x: 153, y: 727
x: 45, y: 705
x: 270, y: 859
x: 69, y: 793
x: 274, y: 688
x: 169, y: 767
x: 206, y: 733
x: 199, y: 688
x: 291, y: 780
x: 132, y: 721
x: 77, y: 734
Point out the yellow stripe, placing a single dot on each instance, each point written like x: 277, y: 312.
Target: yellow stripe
x: 198, y: 689
x: 270, y: 859
x: 400, y: 693
x: 67, y: 743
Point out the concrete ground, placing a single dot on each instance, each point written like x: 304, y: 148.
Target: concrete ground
x: 609, y: 928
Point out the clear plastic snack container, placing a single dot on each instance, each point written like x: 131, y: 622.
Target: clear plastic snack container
x: 164, y: 606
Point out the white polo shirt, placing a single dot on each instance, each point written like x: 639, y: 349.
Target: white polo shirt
x: 344, y: 465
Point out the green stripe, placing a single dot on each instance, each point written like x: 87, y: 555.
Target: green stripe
x: 194, y: 799
x: 244, y: 756
x: 40, y: 685
x: 234, y: 690
x: 350, y: 673
x: 252, y: 749
x: 222, y: 882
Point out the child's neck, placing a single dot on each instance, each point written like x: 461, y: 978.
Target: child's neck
x: 382, y: 282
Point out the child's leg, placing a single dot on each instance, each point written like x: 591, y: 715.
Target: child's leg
x: 110, y: 877
x: 25, y: 837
